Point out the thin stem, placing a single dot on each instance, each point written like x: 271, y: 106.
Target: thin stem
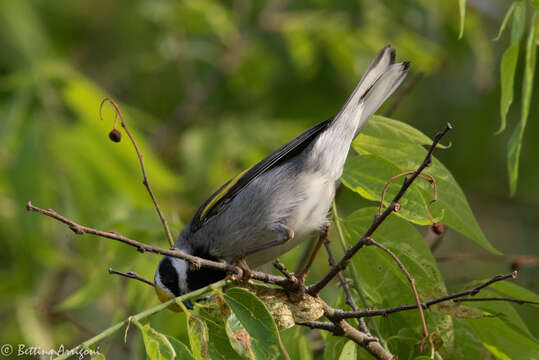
x: 114, y: 328
x: 425, y: 176
x: 339, y: 314
x: 118, y: 113
x: 516, y: 301
x: 131, y: 275
x: 412, y: 285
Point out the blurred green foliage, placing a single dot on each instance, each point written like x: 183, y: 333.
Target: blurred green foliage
x: 209, y: 88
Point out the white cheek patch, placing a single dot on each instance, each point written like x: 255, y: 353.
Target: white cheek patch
x: 181, y: 267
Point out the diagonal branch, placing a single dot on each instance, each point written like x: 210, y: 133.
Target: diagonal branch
x: 341, y: 265
x: 142, y: 247
x: 116, y: 138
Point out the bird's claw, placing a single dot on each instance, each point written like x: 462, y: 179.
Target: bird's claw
x: 245, y: 274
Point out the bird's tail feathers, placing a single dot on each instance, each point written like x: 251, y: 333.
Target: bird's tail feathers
x: 382, y: 78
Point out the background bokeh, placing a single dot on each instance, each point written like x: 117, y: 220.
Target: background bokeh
x: 209, y: 88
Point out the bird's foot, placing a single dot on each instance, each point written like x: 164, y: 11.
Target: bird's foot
x: 245, y: 274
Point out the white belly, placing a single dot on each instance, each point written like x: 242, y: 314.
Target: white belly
x: 311, y: 213
x: 306, y: 220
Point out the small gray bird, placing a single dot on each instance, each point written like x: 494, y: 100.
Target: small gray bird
x: 271, y: 207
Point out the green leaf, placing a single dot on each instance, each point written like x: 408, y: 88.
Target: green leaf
x: 510, y: 59
x: 255, y: 318
x: 197, y: 331
x: 333, y: 345
x: 222, y: 344
x: 158, y: 346
x: 382, y: 275
x: 468, y: 346
x: 182, y: 351
x: 515, y: 291
x: 519, y: 22
x: 505, y: 21
x: 502, y: 340
x: 296, y: 343
x: 507, y: 74
x: 406, y: 155
x: 394, y: 130
x: 368, y: 174
x: 502, y: 309
x: 515, y: 142
x: 349, y: 351
x: 462, y: 13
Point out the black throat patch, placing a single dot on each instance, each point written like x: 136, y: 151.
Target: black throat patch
x: 197, y: 279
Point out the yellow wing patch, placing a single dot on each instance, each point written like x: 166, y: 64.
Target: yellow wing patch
x: 222, y: 193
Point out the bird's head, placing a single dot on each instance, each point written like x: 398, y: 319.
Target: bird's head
x: 174, y: 277
x: 171, y: 280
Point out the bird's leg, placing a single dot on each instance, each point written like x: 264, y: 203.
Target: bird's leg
x: 284, y: 234
x: 321, y: 238
x: 245, y: 270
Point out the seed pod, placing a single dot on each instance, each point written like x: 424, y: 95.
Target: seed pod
x: 438, y: 228
x: 115, y: 135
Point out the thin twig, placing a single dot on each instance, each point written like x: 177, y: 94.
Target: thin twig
x: 342, y: 280
x: 516, y: 301
x: 339, y: 314
x: 283, y: 270
x: 425, y: 176
x: 322, y: 236
x: 370, y: 241
x: 348, y: 298
x: 341, y: 265
x: 118, y: 113
x: 131, y: 275
x: 142, y: 247
x: 323, y: 325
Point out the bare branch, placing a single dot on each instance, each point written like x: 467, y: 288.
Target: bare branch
x: 339, y: 314
x: 323, y: 325
x: 142, y: 247
x: 341, y: 265
x: 516, y: 301
x: 131, y: 275
x: 117, y: 138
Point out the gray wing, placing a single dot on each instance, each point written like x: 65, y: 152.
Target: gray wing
x: 218, y: 201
